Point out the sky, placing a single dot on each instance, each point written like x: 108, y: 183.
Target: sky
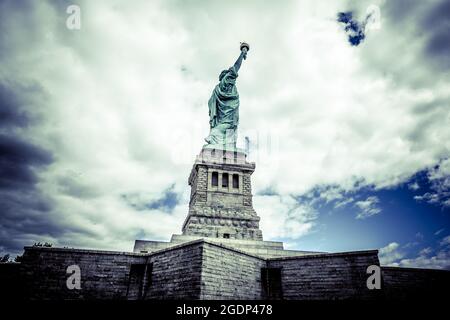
x: 345, y: 103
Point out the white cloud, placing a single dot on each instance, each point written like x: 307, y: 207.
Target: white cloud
x: 343, y: 203
x: 411, y: 244
x: 439, y: 261
x: 368, y: 207
x: 392, y: 255
x: 391, y: 247
x: 389, y: 254
x: 445, y: 241
x: 331, y: 194
x: 425, y: 251
x: 439, y: 178
x: 414, y: 186
x: 283, y: 216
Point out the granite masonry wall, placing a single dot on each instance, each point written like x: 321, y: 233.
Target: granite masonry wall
x: 104, y: 274
x: 326, y: 276
x: 169, y: 274
x: 176, y: 272
x: 203, y: 270
x: 412, y: 283
x: 222, y: 209
x: 230, y: 274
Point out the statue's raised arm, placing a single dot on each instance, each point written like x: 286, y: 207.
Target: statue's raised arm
x: 244, y: 49
x: 224, y: 107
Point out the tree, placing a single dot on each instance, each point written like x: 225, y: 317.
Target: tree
x: 5, y: 258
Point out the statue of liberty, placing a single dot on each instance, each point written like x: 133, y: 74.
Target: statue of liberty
x: 224, y: 107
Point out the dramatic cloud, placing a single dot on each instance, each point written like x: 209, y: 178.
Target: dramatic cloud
x: 23, y: 208
x: 297, y: 219
x: 100, y: 126
x: 393, y: 255
x: 437, y: 20
x: 390, y: 253
x: 439, y: 261
x: 439, y: 177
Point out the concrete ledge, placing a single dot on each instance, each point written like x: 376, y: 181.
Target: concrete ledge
x: 149, y: 246
x: 255, y: 254
x: 413, y: 269
x: 233, y: 249
x: 58, y: 249
x: 329, y: 255
x: 174, y: 247
x: 197, y: 241
x: 256, y: 243
x: 260, y: 248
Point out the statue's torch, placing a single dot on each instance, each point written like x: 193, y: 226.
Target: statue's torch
x: 245, y: 47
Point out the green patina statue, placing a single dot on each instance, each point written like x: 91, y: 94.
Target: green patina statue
x: 224, y: 107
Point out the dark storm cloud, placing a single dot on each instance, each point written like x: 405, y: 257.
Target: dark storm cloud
x: 23, y: 208
x: 432, y: 23
x: 17, y: 160
x: 25, y: 211
x: 18, y: 157
x: 437, y: 23
x: 9, y: 114
x: 401, y: 10
x: 24, y: 217
x: 17, y: 4
x: 10, y: 11
x: 16, y: 101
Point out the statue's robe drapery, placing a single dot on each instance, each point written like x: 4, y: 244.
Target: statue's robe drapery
x: 224, y: 111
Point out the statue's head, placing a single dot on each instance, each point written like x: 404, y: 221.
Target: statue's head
x: 222, y: 74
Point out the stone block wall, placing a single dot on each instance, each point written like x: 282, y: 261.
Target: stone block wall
x: 410, y: 283
x: 198, y: 180
x: 176, y: 272
x: 229, y: 274
x: 104, y: 274
x: 202, y: 270
x: 247, y: 190
x: 170, y: 274
x: 326, y: 276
